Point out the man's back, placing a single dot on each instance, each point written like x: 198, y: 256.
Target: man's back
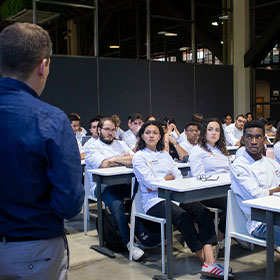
x: 40, y: 181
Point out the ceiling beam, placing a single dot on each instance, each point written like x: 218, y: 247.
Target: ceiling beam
x: 262, y: 46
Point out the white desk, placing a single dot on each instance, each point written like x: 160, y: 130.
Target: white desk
x: 232, y: 149
x: 188, y: 190
x: 267, y: 210
x: 114, y: 176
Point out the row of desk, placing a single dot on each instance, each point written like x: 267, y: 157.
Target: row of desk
x: 186, y: 190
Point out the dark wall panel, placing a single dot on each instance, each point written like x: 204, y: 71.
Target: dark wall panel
x: 172, y: 91
x: 71, y: 86
x: 214, y: 90
x: 124, y: 88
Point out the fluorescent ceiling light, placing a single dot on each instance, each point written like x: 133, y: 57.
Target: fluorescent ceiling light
x: 114, y: 47
x: 184, y: 48
x: 223, y: 17
x: 215, y: 23
x: 169, y: 34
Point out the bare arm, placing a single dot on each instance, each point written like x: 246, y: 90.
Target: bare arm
x: 274, y: 190
x: 181, y: 152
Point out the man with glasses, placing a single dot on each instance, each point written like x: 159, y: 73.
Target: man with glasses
x: 234, y: 131
x: 192, y: 132
x: 254, y: 175
x: 108, y: 152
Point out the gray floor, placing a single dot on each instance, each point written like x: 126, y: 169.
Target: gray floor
x: 245, y: 264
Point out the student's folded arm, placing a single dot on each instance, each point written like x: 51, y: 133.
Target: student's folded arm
x: 144, y: 174
x: 126, y: 160
x: 93, y: 157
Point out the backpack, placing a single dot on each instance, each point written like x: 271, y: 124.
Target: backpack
x: 111, y: 235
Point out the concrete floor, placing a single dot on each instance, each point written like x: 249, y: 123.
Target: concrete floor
x: 86, y: 264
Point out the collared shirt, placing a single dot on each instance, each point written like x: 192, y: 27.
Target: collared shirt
x: 97, y: 151
x: 202, y: 161
x: 187, y: 146
x: 183, y: 137
x: 130, y: 139
x: 40, y: 167
x: 252, y: 179
x: 150, y: 168
x: 232, y: 134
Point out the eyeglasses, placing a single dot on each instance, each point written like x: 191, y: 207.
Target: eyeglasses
x: 193, y: 130
x: 107, y: 129
x: 240, y: 121
x: 205, y: 178
x: 250, y: 137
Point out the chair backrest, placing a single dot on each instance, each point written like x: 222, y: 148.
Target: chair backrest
x: 85, y: 139
x: 236, y: 220
x: 87, y: 186
x: 137, y: 202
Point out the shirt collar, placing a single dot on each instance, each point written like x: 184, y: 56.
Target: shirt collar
x: 249, y: 158
x: 16, y: 84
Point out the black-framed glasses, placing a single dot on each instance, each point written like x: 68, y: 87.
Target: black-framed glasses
x: 205, y: 178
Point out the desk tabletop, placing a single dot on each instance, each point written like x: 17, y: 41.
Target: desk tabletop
x: 189, y: 184
x: 123, y: 170
x: 271, y: 203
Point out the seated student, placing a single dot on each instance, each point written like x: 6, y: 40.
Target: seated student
x: 108, y: 152
x: 170, y: 144
x: 227, y: 120
x: 276, y: 146
x: 191, y: 132
x: 210, y: 156
x: 75, y: 123
x: 234, y: 131
x: 130, y: 135
x: 270, y: 130
x: 119, y: 133
x: 150, y: 118
x: 249, y: 116
x: 170, y: 122
x: 79, y: 131
x: 253, y: 175
x: 93, y: 130
x: 152, y: 165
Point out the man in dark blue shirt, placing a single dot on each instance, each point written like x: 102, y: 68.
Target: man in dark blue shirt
x: 40, y: 167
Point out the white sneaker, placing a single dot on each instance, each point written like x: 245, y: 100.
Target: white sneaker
x: 137, y: 253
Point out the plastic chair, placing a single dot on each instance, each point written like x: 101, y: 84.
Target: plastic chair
x: 138, y: 211
x: 236, y: 227
x: 88, y: 195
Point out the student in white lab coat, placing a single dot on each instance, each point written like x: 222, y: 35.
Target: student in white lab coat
x: 210, y: 156
x: 254, y: 175
x: 152, y: 165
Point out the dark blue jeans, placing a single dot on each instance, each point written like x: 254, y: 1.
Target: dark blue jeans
x: 113, y: 197
x: 260, y: 232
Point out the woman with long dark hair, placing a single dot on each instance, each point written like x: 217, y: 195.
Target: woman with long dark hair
x: 210, y: 156
x: 152, y: 165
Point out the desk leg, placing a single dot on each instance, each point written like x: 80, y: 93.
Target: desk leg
x: 169, y: 237
x: 269, y: 245
x: 100, y: 248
